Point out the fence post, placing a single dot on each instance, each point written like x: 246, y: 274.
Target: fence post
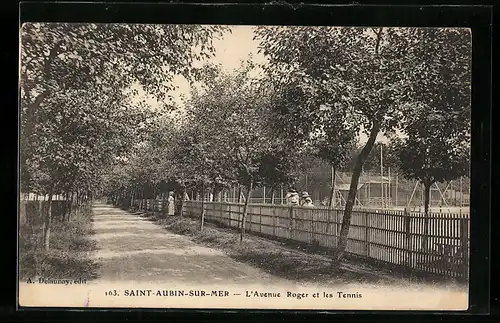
x: 367, y: 235
x: 464, y: 238
x: 221, y: 213
x: 292, y: 224
x: 337, y: 231
x: 311, y: 218
x: 249, y: 218
x: 225, y: 213
x: 274, y: 222
x: 260, y: 219
x: 407, y: 224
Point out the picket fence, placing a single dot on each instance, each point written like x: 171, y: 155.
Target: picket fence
x: 391, y: 238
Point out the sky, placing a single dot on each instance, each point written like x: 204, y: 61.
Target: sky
x: 230, y: 51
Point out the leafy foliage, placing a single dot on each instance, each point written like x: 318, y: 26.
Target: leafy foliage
x: 432, y: 153
x: 77, y: 119
x: 66, y: 73
x: 351, y: 72
x: 239, y: 137
x: 83, y: 130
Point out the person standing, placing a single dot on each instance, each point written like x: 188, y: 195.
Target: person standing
x: 308, y: 202
x: 171, y: 204
x: 303, y: 197
x: 293, y: 197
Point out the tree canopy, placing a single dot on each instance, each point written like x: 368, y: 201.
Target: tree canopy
x: 83, y: 125
x: 76, y: 119
x: 353, y: 72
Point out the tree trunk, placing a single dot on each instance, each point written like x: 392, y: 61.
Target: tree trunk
x: 62, y: 209
x: 272, y: 194
x: 163, y: 203
x: 39, y: 206
x: 217, y: 193
x: 47, y: 223
x: 141, y: 202
x: 245, y: 209
x: 66, y: 206
x: 71, y: 201
x: 332, y: 195
x: 202, y: 206
x: 154, y: 200
x: 427, y: 191
x: 239, y: 193
x: 346, y: 220
x: 331, y: 203
x: 181, y: 212
x: 69, y: 206
x: 177, y: 201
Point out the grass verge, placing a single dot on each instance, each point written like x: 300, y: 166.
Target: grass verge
x: 69, y: 254
x: 274, y: 257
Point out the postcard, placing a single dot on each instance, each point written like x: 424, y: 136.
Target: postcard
x: 244, y: 167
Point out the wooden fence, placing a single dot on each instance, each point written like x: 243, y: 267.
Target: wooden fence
x: 385, y: 237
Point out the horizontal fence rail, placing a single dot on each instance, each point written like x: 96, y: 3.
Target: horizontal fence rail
x: 437, y: 244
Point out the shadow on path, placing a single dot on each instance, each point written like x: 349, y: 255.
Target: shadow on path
x: 132, y: 248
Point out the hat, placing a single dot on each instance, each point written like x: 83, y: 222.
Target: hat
x: 305, y: 194
x: 292, y: 190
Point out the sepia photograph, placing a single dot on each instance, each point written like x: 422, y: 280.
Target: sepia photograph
x: 244, y: 166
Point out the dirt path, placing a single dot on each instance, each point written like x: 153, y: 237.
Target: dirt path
x: 134, y: 249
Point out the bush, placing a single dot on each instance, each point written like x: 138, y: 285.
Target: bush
x: 69, y: 247
x: 56, y: 264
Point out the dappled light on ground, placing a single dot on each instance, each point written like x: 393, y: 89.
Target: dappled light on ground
x: 132, y: 248
x: 149, y: 248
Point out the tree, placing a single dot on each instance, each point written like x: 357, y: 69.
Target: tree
x: 204, y: 145
x: 353, y: 70
x: 334, y: 143
x: 72, y: 121
x: 432, y: 153
x: 317, y: 129
x: 79, y: 133
x: 280, y: 167
x: 238, y: 133
x: 57, y: 57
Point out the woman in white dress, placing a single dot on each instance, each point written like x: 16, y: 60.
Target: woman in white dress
x: 171, y: 204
